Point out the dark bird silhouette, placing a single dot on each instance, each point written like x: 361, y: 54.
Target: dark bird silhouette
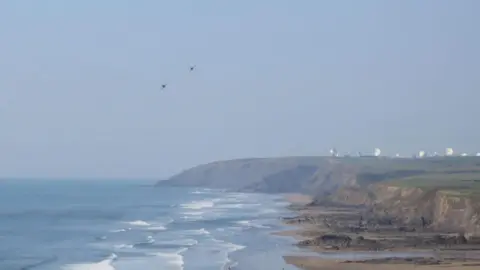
x: 164, y: 85
x: 192, y: 67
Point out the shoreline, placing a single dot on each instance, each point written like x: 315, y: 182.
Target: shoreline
x: 384, y: 246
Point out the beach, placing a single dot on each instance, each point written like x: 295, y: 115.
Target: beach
x: 346, y: 237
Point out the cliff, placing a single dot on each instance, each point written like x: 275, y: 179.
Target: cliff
x: 442, y: 190
x: 316, y: 176
x: 311, y: 175
x: 449, y: 200
x: 255, y: 174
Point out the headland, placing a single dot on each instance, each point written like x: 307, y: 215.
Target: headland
x: 355, y: 212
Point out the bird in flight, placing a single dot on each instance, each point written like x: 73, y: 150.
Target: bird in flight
x: 164, y: 85
x: 192, y: 67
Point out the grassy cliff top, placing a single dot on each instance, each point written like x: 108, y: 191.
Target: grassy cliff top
x: 456, y: 175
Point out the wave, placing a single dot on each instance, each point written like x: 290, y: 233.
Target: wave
x: 147, y: 244
x: 232, y: 206
x: 181, y: 242
x: 201, y: 231
x: 233, y: 247
x: 248, y: 223
x: 229, y: 248
x: 199, y: 192
x: 122, y: 246
x: 194, y: 213
x: 120, y: 230
x: 150, y: 239
x: 156, y: 228
x: 138, y: 223
x: 166, y: 245
x: 173, y: 259
x: 103, y: 265
x: 269, y: 211
x: 197, y: 205
x: 193, y: 217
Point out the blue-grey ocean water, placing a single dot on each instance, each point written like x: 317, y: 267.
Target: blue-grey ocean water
x: 129, y: 225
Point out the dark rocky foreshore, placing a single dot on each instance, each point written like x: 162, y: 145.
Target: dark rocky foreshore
x: 345, y: 229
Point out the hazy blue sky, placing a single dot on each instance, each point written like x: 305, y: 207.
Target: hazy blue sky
x: 80, y: 95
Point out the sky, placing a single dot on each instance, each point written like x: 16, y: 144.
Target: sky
x: 80, y: 82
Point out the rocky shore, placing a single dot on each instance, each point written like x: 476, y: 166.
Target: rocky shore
x: 353, y: 237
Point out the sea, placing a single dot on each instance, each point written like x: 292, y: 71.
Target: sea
x: 132, y: 225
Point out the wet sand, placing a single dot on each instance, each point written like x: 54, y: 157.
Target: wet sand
x: 346, y: 237
x: 315, y: 263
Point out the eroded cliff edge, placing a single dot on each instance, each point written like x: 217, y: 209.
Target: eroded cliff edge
x: 442, y: 190
x: 449, y: 205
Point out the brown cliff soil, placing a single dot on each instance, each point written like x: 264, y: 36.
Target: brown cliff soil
x: 390, y: 221
x: 441, y: 209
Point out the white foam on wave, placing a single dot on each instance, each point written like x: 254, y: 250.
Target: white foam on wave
x: 197, y: 205
x: 194, y: 213
x: 181, y: 242
x: 233, y: 247
x: 150, y: 239
x: 201, y: 231
x: 268, y: 211
x: 122, y: 246
x: 138, y: 223
x: 156, y: 228
x: 192, y: 218
x: 198, y: 192
x: 103, y: 265
x: 228, y: 248
x: 243, y: 222
x: 232, y: 206
x: 120, y: 230
x: 240, y: 196
x: 248, y: 223
x: 173, y: 259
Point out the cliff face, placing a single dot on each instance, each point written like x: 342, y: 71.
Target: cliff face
x: 315, y: 176
x: 258, y: 174
x: 445, y: 210
x: 310, y: 175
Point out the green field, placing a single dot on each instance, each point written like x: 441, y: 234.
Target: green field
x: 455, y: 175
x: 446, y: 173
